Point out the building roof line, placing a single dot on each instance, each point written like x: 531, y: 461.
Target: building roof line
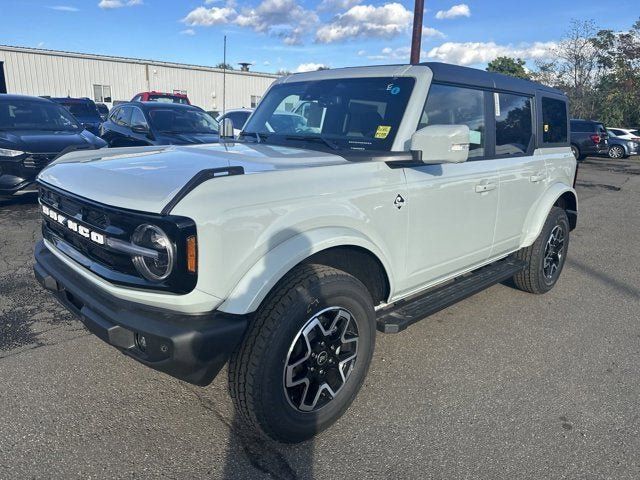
x: 140, y: 61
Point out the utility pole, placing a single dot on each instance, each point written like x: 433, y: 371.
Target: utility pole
x: 416, y: 38
x: 224, y: 76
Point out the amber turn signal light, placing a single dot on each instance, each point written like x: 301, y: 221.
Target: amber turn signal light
x: 192, y: 255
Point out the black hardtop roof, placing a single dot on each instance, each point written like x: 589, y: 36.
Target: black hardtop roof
x: 444, y: 72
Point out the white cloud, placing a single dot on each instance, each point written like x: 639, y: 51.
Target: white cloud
x: 188, y: 31
x: 310, y: 67
x: 432, y: 33
x: 266, y: 63
x: 64, y: 8
x: 385, y: 21
x: 362, y: 53
x: 337, y: 5
x: 206, y: 17
x: 461, y: 10
x: 282, y: 18
x: 109, y: 4
x: 472, y: 53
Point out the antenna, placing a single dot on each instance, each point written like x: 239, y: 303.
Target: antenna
x: 224, y: 76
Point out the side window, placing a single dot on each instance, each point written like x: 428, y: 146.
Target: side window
x: 452, y: 105
x: 124, y: 117
x: 138, y: 119
x: 514, y: 128
x: 113, y: 115
x: 554, y: 121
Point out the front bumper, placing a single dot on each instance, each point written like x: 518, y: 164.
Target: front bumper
x: 193, y: 348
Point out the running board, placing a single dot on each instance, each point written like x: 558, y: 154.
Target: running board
x: 403, y: 313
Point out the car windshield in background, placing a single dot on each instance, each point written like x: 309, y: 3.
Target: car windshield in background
x: 35, y: 115
x: 174, y: 120
x: 81, y: 109
x: 351, y: 113
x: 168, y: 99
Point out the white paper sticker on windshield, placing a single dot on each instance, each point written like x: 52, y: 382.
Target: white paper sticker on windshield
x: 496, y: 100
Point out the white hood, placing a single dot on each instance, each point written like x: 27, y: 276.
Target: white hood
x: 147, y: 178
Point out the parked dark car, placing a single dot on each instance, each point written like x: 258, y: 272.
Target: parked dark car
x: 622, y: 148
x: 103, y: 110
x: 588, y: 137
x: 153, y: 123
x: 33, y: 131
x: 85, y: 110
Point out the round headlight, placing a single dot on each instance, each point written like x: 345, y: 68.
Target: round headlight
x: 155, y: 266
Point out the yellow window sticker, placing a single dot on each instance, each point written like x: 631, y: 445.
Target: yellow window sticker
x: 546, y: 127
x: 383, y: 131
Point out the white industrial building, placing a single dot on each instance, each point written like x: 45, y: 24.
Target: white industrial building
x: 31, y: 71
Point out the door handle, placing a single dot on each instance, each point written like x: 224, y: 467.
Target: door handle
x: 538, y: 177
x: 485, y: 187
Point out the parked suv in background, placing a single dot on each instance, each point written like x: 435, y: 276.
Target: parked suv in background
x: 405, y: 189
x: 152, y: 123
x: 33, y: 131
x: 85, y: 110
x: 161, y: 97
x: 588, y: 137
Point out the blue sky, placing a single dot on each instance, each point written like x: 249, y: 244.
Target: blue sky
x: 301, y: 34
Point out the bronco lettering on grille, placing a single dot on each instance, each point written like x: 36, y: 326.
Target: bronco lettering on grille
x: 73, y: 225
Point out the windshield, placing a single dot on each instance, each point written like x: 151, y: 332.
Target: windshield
x: 168, y: 99
x: 346, y: 113
x: 82, y: 109
x: 172, y: 120
x: 21, y: 114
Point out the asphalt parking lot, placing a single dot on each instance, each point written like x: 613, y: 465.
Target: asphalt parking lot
x: 503, y: 385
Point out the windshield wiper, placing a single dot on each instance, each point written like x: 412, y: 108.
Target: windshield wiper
x: 314, y: 138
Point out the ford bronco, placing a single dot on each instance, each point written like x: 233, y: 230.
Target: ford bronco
x: 399, y: 191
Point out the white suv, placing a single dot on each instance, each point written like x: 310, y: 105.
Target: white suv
x: 395, y: 192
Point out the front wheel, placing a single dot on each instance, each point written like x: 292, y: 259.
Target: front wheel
x: 305, y: 355
x: 546, y: 257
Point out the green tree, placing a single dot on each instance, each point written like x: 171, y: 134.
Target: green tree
x: 509, y: 66
x: 618, y: 89
x: 225, y: 66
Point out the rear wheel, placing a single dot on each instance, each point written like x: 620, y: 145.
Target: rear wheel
x: 546, y: 257
x: 616, y: 151
x: 305, y: 355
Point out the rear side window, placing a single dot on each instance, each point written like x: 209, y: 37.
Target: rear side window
x: 451, y: 105
x: 554, y: 121
x: 514, y: 128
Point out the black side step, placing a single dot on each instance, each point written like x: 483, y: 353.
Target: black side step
x: 403, y: 313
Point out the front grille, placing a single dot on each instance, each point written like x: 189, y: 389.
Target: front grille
x: 38, y: 160
x: 111, y: 223
x: 93, y: 217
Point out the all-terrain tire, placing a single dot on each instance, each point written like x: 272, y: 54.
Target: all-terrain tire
x: 534, y: 278
x: 257, y: 368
